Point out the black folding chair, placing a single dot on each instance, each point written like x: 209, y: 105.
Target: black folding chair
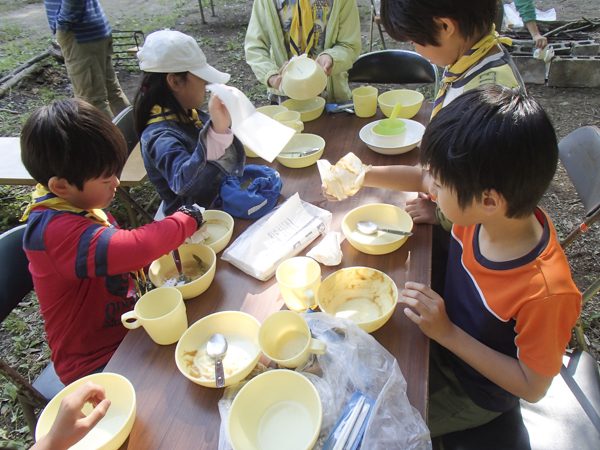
x: 15, y: 284
x: 393, y: 67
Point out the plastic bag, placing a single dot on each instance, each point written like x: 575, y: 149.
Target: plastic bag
x: 328, y: 251
x: 279, y: 235
x: 354, y: 361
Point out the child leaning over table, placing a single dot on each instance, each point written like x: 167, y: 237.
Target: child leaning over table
x: 457, y: 35
x: 186, y: 152
x: 509, y: 302
x: 84, y: 267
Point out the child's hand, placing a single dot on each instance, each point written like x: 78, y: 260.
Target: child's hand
x: 430, y: 310
x: 422, y: 209
x: 71, y: 425
x: 275, y: 80
x: 221, y: 120
x: 331, y: 198
x: 540, y: 41
x: 326, y: 62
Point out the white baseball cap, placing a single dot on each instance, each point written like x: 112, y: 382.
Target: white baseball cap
x: 168, y: 51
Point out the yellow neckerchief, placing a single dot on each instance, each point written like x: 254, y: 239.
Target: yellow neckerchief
x: 302, y: 20
x: 158, y: 114
x: 43, y: 197
x: 465, y: 62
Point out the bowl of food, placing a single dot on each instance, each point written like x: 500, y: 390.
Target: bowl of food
x: 199, y: 263
x: 310, y: 109
x: 385, y: 217
x: 302, y: 150
x: 411, y: 102
x: 303, y: 78
x: 219, y: 226
x: 114, y: 428
x: 412, y: 138
x: 241, y: 332
x: 276, y: 409
x: 364, y: 295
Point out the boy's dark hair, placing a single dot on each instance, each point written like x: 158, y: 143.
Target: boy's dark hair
x: 71, y: 139
x: 154, y: 90
x: 492, y: 137
x: 412, y: 20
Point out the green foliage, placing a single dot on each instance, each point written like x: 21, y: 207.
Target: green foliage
x: 257, y: 94
x: 13, y: 200
x: 14, y: 324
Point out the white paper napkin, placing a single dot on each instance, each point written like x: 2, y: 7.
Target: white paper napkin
x: 261, y: 134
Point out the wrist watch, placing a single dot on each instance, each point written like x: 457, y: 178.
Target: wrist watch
x: 194, y: 212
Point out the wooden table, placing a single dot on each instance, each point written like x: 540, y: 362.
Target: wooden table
x: 174, y: 413
x: 13, y: 172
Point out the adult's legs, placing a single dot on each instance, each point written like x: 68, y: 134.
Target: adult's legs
x: 116, y: 97
x: 86, y: 65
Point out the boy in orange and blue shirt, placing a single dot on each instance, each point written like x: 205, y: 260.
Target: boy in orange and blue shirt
x: 509, y: 302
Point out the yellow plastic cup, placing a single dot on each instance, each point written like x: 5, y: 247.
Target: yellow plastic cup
x: 299, y: 279
x: 290, y: 119
x: 391, y: 127
x: 285, y: 338
x: 162, y: 314
x: 365, y: 101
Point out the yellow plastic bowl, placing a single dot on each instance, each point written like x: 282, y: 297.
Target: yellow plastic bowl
x: 113, y: 429
x: 276, y: 409
x: 385, y: 216
x: 250, y: 153
x: 310, y: 109
x: 411, y: 102
x: 364, y: 295
x: 219, y: 225
x: 303, y: 78
x: 300, y: 143
x: 165, y: 264
x: 271, y: 110
x: 240, y: 330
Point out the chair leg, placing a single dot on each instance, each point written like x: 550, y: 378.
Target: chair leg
x: 381, y: 35
x: 133, y: 204
x: 29, y: 414
x: 371, y: 28
x: 201, y: 11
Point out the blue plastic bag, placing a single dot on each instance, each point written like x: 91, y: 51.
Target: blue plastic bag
x: 252, y: 195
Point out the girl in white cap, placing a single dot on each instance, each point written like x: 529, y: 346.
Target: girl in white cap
x: 186, y: 151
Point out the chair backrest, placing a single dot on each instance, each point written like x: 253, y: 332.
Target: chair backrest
x: 393, y: 66
x: 15, y: 279
x: 579, y: 152
x: 124, y: 122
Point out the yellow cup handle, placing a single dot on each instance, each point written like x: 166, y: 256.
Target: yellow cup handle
x: 318, y: 347
x: 299, y: 126
x: 310, y: 300
x: 131, y: 325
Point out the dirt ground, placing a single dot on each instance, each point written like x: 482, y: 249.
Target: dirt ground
x: 24, y: 25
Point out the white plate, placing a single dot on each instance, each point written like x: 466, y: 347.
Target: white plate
x: 414, y: 133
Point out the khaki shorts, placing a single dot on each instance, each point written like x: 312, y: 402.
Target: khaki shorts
x: 450, y: 408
